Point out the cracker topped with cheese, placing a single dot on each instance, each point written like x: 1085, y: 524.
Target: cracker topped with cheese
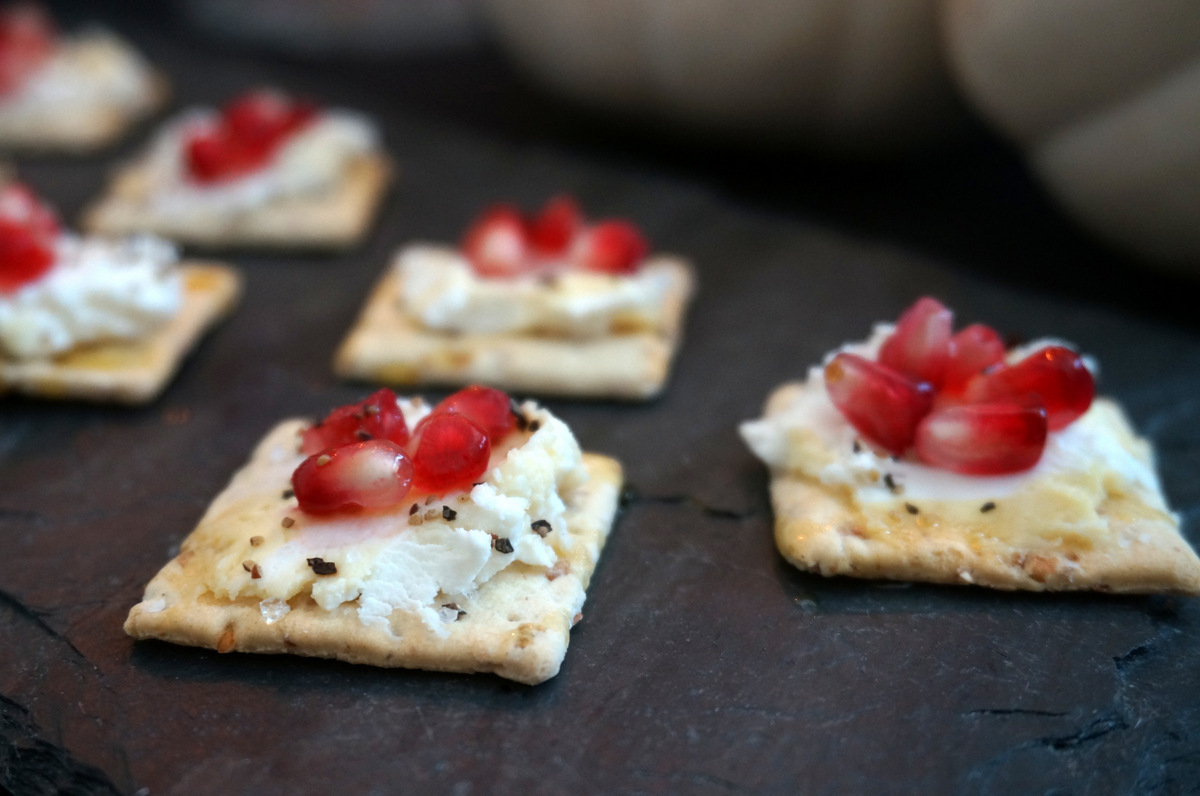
x: 265, y: 171
x: 97, y: 319
x: 551, y: 304
x: 458, y: 539
x: 927, y: 455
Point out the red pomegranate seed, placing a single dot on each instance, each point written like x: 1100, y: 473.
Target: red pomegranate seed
x: 1054, y: 377
x: 365, y: 475
x: 250, y: 130
x: 882, y: 404
x: 982, y: 439
x: 27, y: 38
x: 376, y: 417
x: 611, y: 247
x: 488, y: 408
x: 27, y: 232
x: 497, y: 244
x: 554, y: 228
x: 972, y: 351
x: 451, y: 453
x: 920, y: 346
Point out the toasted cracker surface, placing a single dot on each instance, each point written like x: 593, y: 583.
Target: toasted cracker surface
x: 389, y: 346
x: 819, y: 528
x: 517, y: 625
x: 133, y: 371
x: 334, y: 219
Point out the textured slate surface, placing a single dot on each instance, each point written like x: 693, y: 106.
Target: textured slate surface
x: 704, y: 664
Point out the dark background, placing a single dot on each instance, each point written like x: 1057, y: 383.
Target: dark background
x: 704, y: 664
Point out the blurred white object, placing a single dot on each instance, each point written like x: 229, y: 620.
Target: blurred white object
x: 342, y: 27
x: 1104, y: 96
x: 847, y: 74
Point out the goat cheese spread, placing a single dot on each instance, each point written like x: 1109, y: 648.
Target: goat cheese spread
x: 312, y: 160
x: 383, y: 560
x: 441, y: 291
x: 96, y: 290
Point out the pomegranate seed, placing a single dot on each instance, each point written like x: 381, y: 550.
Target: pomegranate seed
x: 882, y: 404
x: 555, y: 227
x: 497, y: 243
x: 27, y: 232
x: 1054, y: 377
x: 982, y: 439
x: 451, y: 453
x: 611, y: 247
x: 920, y: 346
x: 487, y: 408
x: 250, y: 130
x: 972, y: 351
x: 365, y: 475
x: 376, y: 417
x: 27, y: 38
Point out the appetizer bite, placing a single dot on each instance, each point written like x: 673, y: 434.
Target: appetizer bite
x: 73, y: 93
x: 459, y: 538
x: 267, y: 171
x: 551, y: 304
x: 94, y: 318
x: 925, y: 454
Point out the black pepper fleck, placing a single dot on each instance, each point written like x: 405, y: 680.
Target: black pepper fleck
x: 534, y: 425
x: 857, y: 446
x: 503, y: 545
x: 415, y: 508
x: 322, y: 567
x: 890, y: 481
x: 288, y: 494
x: 448, y: 513
x: 986, y: 507
x: 541, y: 528
x: 522, y: 421
x: 911, y: 509
x: 363, y: 435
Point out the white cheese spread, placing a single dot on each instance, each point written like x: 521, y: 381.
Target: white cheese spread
x: 96, y: 290
x: 441, y: 290
x: 803, y: 433
x: 312, y: 160
x: 384, y: 561
x: 94, y: 70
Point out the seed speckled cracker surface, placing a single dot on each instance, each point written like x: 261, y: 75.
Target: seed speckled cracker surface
x: 516, y: 624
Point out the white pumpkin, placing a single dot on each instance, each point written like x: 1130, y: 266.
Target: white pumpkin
x: 851, y: 74
x: 1104, y: 96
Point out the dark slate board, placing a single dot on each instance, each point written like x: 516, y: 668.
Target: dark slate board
x: 704, y: 664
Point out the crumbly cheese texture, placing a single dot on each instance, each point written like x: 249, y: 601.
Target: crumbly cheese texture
x: 442, y: 291
x: 91, y: 71
x: 388, y: 561
x: 97, y: 290
x: 311, y: 161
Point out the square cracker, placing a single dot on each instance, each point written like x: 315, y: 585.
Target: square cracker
x: 818, y: 528
x: 334, y: 219
x: 131, y: 371
x: 387, y: 345
x: 517, y: 625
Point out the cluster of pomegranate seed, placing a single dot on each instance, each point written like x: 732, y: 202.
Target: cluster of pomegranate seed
x: 504, y: 243
x: 27, y: 38
x: 363, y: 456
x: 247, y: 135
x: 953, y: 400
x: 27, y: 232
